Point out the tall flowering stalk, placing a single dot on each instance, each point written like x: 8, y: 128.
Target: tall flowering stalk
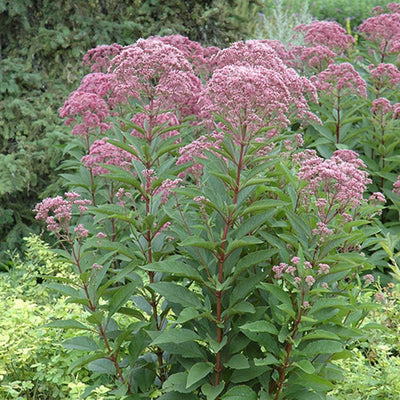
x: 337, y: 83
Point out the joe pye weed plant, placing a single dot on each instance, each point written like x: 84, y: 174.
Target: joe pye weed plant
x: 216, y: 257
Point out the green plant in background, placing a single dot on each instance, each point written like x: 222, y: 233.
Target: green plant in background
x: 276, y: 21
x: 372, y: 373
x: 33, y: 363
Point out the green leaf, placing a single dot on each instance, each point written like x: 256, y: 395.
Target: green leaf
x: 198, y: 372
x: 173, y: 267
x: 67, y: 324
x: 103, y: 366
x: 120, y: 297
x: 305, y: 365
x: 211, y: 392
x: 175, y: 293
x: 241, y: 308
x: 187, y: 314
x: 240, y: 392
x: 177, y: 382
x: 65, y: 290
x: 260, y: 326
x: 175, y: 335
x: 322, y: 347
x: 195, y: 241
x: 315, y: 382
x: 84, y: 343
x: 238, y: 361
x: 245, y: 241
x: 320, y: 334
x: 254, y: 258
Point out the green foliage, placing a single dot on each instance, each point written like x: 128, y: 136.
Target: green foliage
x: 33, y: 362
x: 372, y: 371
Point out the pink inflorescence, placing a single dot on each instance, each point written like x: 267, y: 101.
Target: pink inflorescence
x: 102, y: 152
x: 100, y: 57
x: 385, y: 76
x: 396, y: 186
x: 57, y: 212
x: 158, y: 73
x: 383, y: 30
x: 340, y: 79
x: 326, y: 33
x: 252, y: 53
x: 198, y: 56
x: 250, y: 98
x: 337, y: 183
x: 92, y: 110
x: 313, y: 59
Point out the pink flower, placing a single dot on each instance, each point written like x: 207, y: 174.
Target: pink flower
x: 340, y: 178
x: 80, y: 231
x: 158, y: 74
x: 380, y: 297
x: 324, y: 285
x: 96, y: 266
x: 92, y: 110
x: 165, y: 188
x: 339, y: 80
x: 100, y: 57
x: 385, y: 76
x: 396, y: 186
x: 57, y: 212
x: 368, y: 279
x: 197, y: 55
x: 323, y: 269
x: 252, y: 53
x: 310, y: 280
x: 295, y: 260
x: 377, y: 197
x: 102, y: 152
x: 383, y: 31
x: 325, y: 33
x: 279, y: 270
x: 313, y: 59
x: 251, y: 98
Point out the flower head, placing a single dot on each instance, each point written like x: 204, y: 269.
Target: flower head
x: 103, y: 152
x: 326, y: 33
x: 340, y: 79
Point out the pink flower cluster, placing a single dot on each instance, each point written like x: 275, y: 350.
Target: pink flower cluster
x: 340, y: 79
x: 102, y: 152
x: 57, y: 212
x: 251, y: 98
x: 292, y: 270
x: 189, y: 153
x: 384, y: 112
x: 92, y: 109
x: 325, y: 33
x: 99, y: 58
x: 156, y: 73
x: 385, y: 76
x: 200, y: 57
x: 383, y: 30
x: 336, y: 184
x: 314, y: 59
